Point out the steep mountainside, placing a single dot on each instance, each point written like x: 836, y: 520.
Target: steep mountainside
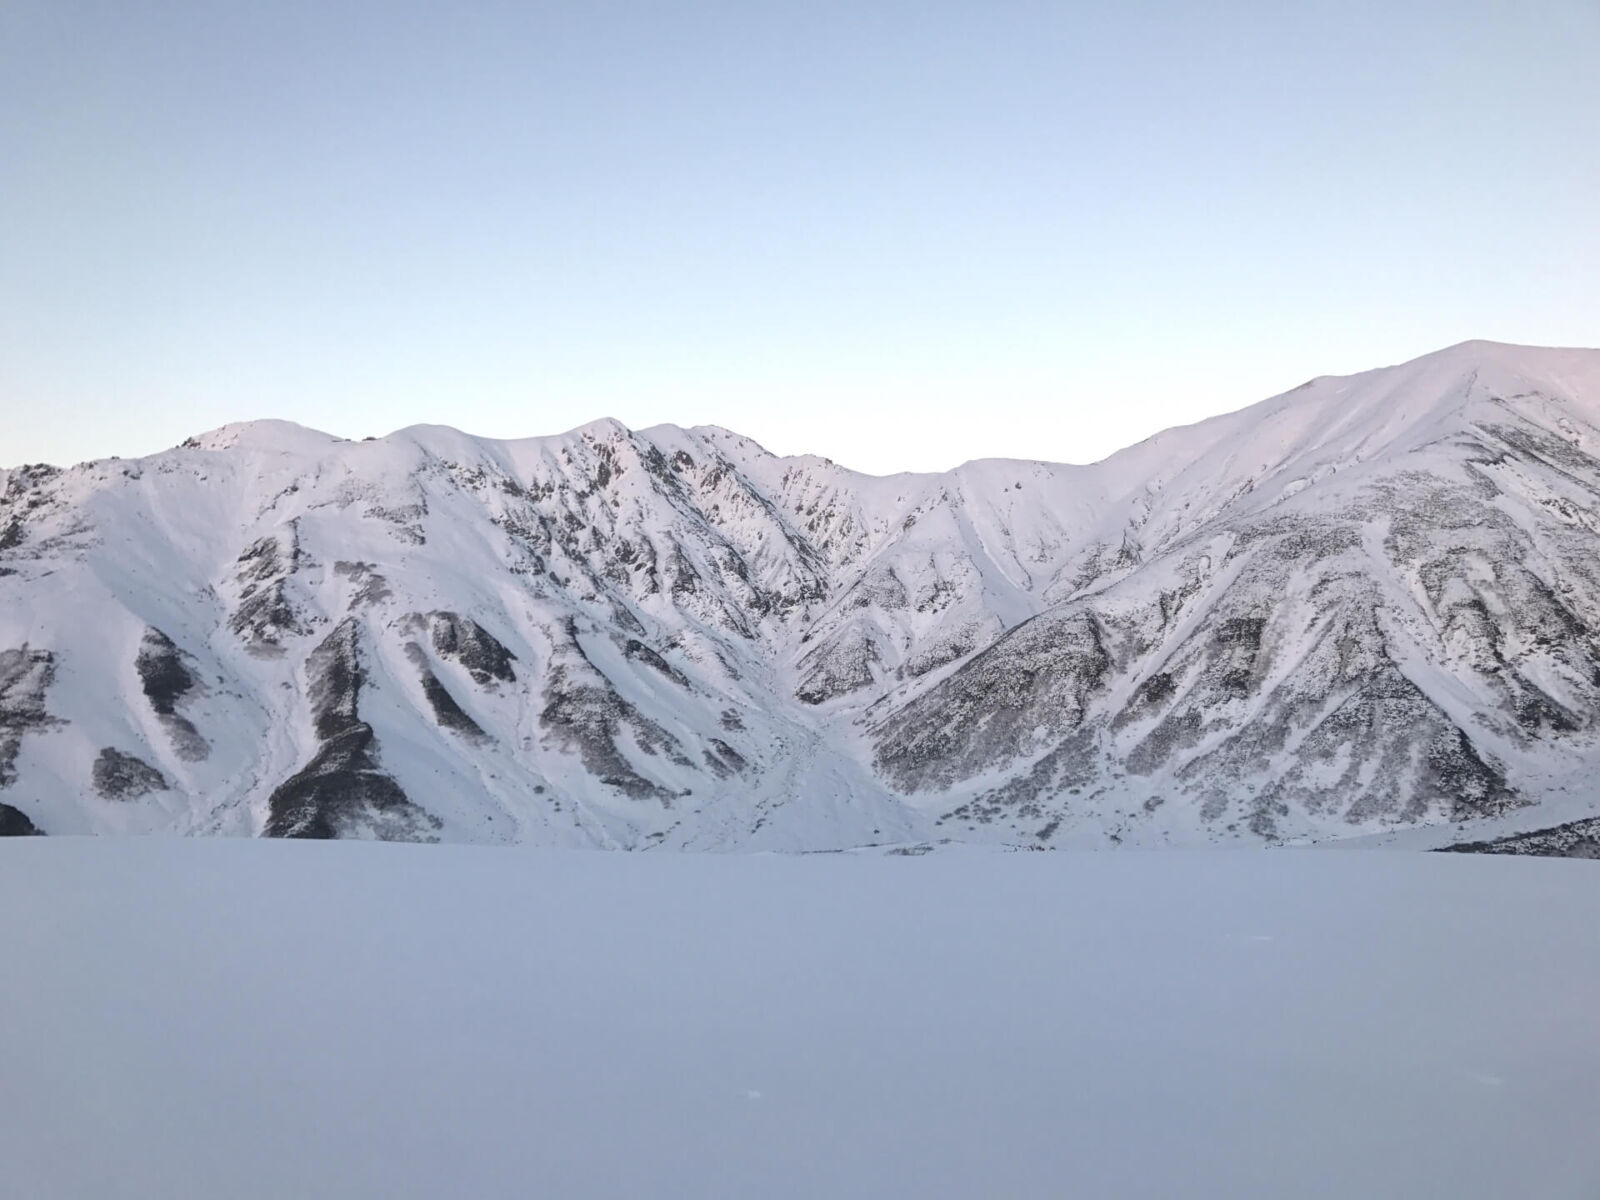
x: 1367, y: 604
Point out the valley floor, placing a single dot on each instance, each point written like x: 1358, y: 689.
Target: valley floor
x: 235, y: 1018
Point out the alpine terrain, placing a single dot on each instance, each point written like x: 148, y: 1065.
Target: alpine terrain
x: 1368, y: 606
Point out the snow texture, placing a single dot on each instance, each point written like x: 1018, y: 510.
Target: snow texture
x: 258, y: 1019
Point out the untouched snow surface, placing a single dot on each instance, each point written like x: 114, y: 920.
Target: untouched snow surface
x: 233, y: 1018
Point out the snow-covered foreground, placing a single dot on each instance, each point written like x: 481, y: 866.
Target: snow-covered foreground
x: 227, y: 1018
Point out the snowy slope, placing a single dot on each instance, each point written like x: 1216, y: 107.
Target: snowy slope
x: 262, y: 1020
x: 1369, y: 604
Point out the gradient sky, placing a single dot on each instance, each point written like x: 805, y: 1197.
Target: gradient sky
x: 902, y: 235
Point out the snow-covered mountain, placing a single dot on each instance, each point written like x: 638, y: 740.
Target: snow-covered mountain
x: 1369, y: 605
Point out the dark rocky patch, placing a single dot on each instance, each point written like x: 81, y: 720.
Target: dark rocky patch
x: 474, y: 647
x: 165, y: 678
x: 1070, y: 765
x: 1176, y: 731
x: 1511, y: 627
x: 1344, y: 735
x: 879, y: 588
x: 1151, y: 696
x: 266, y: 615
x: 1457, y: 775
x: 404, y: 521
x: 682, y: 578
x: 167, y: 681
x: 1544, y: 447
x: 1380, y: 751
x: 588, y: 718
x: 264, y: 618
x: 1242, y: 631
x: 15, y: 823
x: 1158, y: 688
x: 1296, y: 539
x: 342, y: 792
x: 335, y: 675
x: 371, y: 587
x: 25, y: 677
x: 837, y: 668
x: 1575, y: 839
x: 639, y: 652
x: 622, y: 616
x: 943, y: 652
x: 24, y: 494
x: 446, y: 711
x: 121, y: 776
x: 1026, y: 691
x: 1172, y: 602
x: 724, y: 760
x: 266, y: 558
x: 1238, y: 649
x: 584, y: 714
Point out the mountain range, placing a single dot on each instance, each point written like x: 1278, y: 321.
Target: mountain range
x: 1366, y: 608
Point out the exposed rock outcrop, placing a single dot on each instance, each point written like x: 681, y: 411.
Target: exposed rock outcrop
x: 342, y: 792
x: 119, y: 775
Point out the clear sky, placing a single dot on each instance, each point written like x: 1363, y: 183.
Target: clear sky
x: 899, y: 234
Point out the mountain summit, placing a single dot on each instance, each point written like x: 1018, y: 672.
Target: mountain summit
x: 1369, y: 604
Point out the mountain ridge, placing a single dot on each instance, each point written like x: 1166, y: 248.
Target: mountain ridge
x: 224, y: 436
x: 1360, y: 607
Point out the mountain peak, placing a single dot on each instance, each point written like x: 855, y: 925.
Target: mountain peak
x: 266, y: 434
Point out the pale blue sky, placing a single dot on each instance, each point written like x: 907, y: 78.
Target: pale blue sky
x: 901, y: 235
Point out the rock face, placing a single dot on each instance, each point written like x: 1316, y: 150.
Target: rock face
x: 25, y: 676
x: 341, y: 792
x: 15, y: 823
x: 120, y: 776
x: 1368, y: 605
x: 465, y: 641
x: 167, y: 682
x: 1575, y: 839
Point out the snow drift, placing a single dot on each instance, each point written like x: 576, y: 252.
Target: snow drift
x: 266, y: 1019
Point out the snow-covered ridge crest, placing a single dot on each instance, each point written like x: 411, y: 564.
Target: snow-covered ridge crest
x: 1365, y: 606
